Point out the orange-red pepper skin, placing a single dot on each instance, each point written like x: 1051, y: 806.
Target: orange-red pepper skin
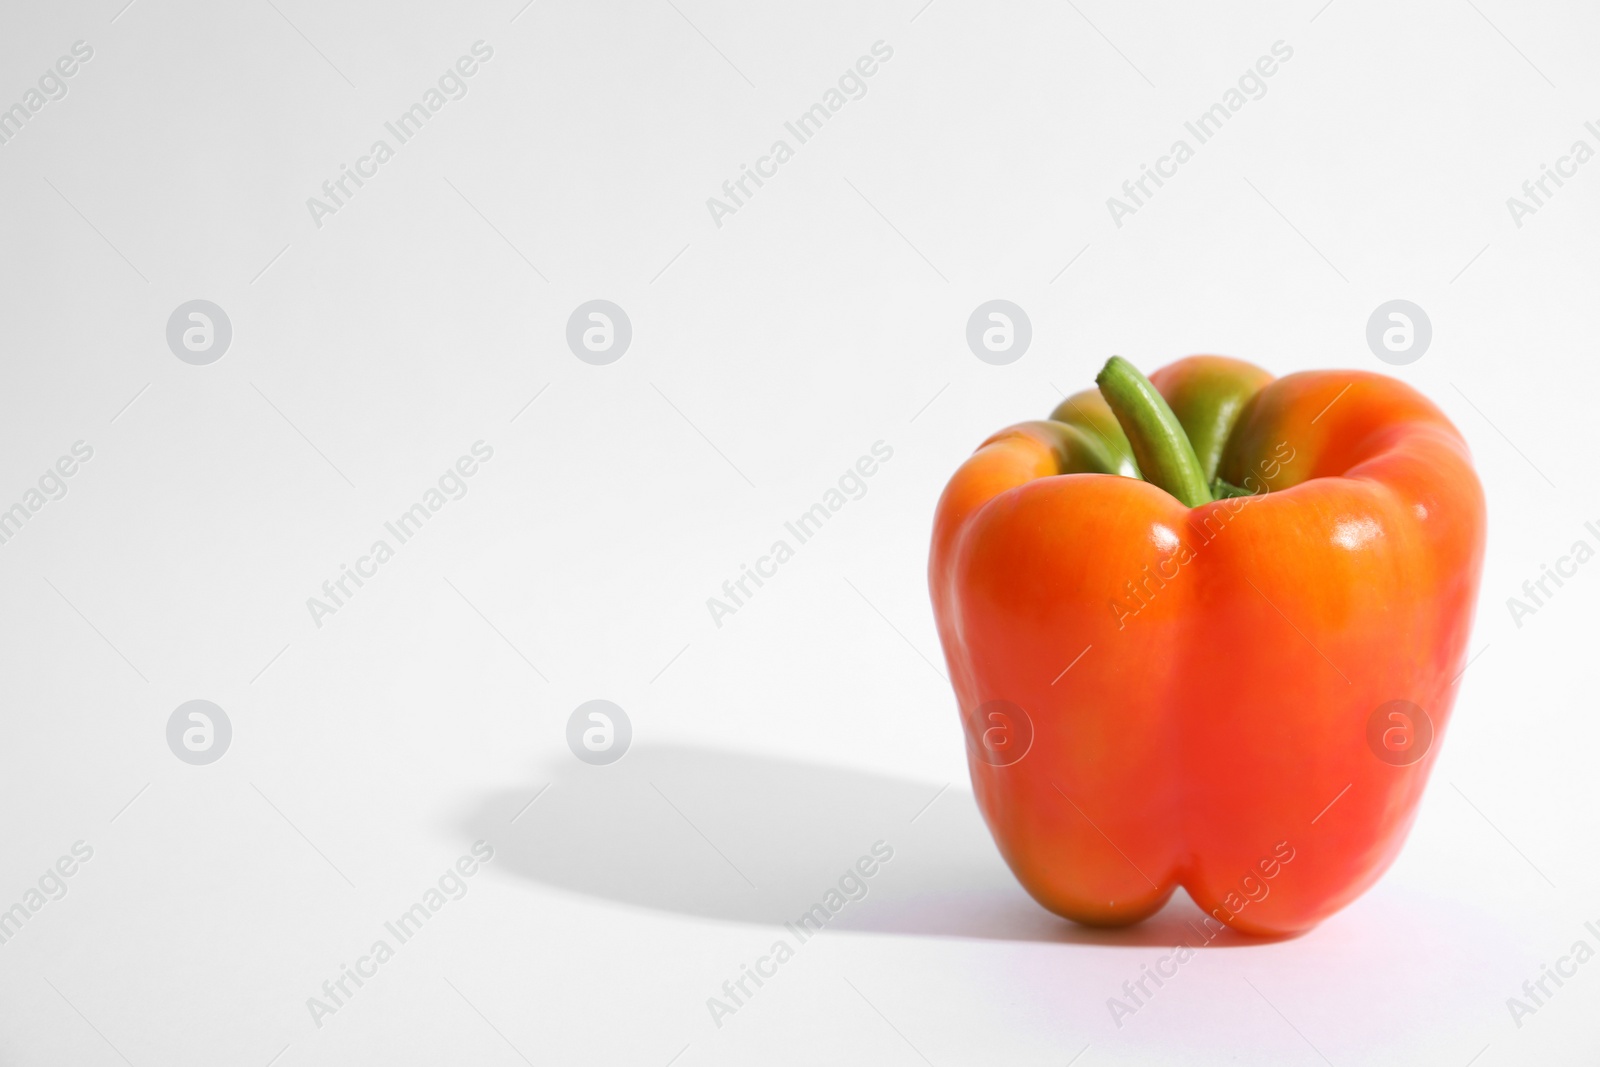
x: 1198, y: 683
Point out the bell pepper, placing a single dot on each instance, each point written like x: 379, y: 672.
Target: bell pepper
x: 1174, y: 611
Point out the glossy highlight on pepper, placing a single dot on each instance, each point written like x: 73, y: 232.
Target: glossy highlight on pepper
x: 1195, y: 592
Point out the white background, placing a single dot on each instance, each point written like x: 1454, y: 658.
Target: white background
x: 768, y: 354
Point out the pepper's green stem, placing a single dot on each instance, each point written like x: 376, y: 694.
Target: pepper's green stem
x: 1221, y: 490
x: 1160, y: 447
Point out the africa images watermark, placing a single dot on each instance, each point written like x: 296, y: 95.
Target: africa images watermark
x: 802, y: 129
x: 403, y: 528
x: 52, y: 485
x: 52, y: 885
x: 1209, y: 530
x: 1538, y: 191
x: 1537, y: 991
x: 851, y: 887
x: 452, y: 85
x: 451, y: 885
x: 1566, y: 567
x: 805, y: 526
x: 1205, y: 126
x: 1253, y: 888
x: 52, y: 85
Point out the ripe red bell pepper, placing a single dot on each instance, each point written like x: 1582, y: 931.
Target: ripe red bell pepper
x: 1203, y: 629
